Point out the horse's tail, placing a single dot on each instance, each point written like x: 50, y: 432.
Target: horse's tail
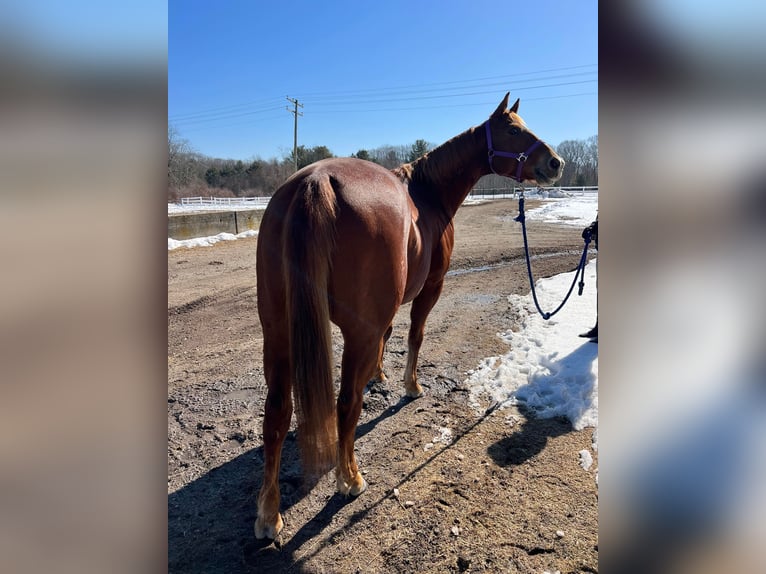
x: 309, y: 244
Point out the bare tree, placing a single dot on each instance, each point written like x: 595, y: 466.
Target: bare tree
x: 181, y: 160
x: 581, y: 158
x: 390, y: 156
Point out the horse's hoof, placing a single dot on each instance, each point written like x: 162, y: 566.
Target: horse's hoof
x: 356, y: 490
x: 415, y: 392
x: 357, y: 487
x: 379, y: 378
x: 264, y: 530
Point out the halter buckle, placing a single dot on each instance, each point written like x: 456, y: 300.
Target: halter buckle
x: 522, y: 157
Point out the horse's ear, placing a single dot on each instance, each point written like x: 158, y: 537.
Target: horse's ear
x: 515, y: 106
x: 502, y: 107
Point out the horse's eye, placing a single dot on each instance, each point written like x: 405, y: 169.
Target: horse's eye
x: 514, y: 131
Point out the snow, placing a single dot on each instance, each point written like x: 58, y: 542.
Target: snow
x: 475, y: 200
x: 579, y: 211
x: 444, y: 437
x: 586, y: 459
x: 549, y: 370
x: 208, y: 241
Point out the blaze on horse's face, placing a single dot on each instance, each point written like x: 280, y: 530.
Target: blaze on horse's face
x: 509, y: 133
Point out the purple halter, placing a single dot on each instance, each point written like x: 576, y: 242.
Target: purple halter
x: 519, y: 157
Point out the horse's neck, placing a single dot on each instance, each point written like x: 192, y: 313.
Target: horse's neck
x: 449, y: 172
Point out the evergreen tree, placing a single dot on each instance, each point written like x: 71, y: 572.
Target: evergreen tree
x: 419, y: 148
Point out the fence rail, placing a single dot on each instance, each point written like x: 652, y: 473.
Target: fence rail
x: 226, y: 201
x: 513, y: 191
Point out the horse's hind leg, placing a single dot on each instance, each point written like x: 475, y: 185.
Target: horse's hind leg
x: 421, y: 307
x: 359, y: 363
x: 380, y: 376
x: 276, y: 422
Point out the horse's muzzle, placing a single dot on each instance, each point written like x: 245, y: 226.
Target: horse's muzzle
x: 550, y: 171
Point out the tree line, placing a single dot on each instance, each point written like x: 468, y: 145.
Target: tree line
x: 581, y: 158
x: 192, y: 174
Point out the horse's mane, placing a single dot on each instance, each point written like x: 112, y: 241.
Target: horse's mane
x: 440, y: 165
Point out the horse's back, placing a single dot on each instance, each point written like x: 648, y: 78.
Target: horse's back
x: 360, y: 187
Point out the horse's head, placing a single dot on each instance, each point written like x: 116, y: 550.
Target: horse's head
x: 514, y: 151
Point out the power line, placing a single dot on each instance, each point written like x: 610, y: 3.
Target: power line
x: 513, y: 86
x: 441, y: 96
x: 372, y: 110
x: 225, y: 116
x: 442, y: 106
x: 220, y: 109
x: 229, y: 110
x: 237, y: 124
x: 394, y: 88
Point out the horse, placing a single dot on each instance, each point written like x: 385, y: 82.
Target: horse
x: 349, y: 241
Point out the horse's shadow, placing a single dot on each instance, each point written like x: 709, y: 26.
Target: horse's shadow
x: 534, y: 433
x: 210, y: 520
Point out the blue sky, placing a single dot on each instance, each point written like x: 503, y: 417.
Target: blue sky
x: 375, y: 73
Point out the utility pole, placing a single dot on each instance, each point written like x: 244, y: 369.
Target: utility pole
x: 295, y: 113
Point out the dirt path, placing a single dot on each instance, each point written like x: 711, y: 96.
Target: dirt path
x: 506, y: 494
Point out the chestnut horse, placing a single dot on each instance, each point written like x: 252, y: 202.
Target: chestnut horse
x: 348, y: 241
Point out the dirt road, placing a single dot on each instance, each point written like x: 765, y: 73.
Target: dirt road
x: 505, y: 493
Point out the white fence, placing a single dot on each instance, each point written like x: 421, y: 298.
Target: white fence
x: 512, y: 192
x: 225, y: 201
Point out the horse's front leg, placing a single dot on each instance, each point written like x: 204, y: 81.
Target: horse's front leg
x: 380, y: 376
x: 421, y: 307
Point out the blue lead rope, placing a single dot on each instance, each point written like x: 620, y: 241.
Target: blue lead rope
x: 579, y: 272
